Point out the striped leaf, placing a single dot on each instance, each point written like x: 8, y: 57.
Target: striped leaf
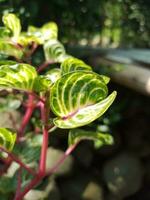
x: 47, y: 32
x: 78, y: 98
x: 17, y: 76
x: 55, y: 51
x: 12, y: 22
x: 7, y: 48
x: 73, y: 64
x: 44, y: 82
x: 76, y: 135
x: 7, y: 139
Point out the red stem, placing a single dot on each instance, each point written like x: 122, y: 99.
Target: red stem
x: 44, y: 116
x: 44, y: 65
x: 62, y: 159
x: 19, y: 182
x: 39, y: 177
x: 27, y: 115
x: 17, y: 160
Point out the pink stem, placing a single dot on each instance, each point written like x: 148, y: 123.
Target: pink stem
x: 32, y: 184
x: 37, y: 179
x: 27, y: 115
x: 62, y: 159
x: 44, y: 65
x: 19, y: 182
x: 17, y: 160
x: 44, y: 117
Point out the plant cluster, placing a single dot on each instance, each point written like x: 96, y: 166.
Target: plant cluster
x: 68, y: 97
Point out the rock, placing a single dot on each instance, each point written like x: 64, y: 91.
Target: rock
x: 81, y: 187
x: 93, y: 191
x: 7, y: 119
x: 35, y: 195
x: 53, y: 155
x: 123, y: 175
x: 50, y: 192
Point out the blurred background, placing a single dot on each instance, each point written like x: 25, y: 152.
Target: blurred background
x: 113, y: 36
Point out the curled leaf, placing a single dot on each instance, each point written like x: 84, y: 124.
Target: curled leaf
x: 78, y: 98
x: 12, y: 22
x: 18, y: 76
x: 73, y: 64
x: 7, y: 138
x: 55, y: 51
x: 9, y: 49
x: 76, y: 135
x: 47, y: 32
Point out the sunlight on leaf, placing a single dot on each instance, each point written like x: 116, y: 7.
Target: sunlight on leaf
x: 7, y: 139
x: 18, y: 76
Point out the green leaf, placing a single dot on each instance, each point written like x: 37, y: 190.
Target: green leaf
x: 12, y: 22
x: 47, y: 32
x: 78, y: 98
x: 55, y: 51
x: 7, y: 138
x: 53, y: 75
x: 76, y: 135
x: 18, y: 76
x: 7, y: 185
x: 44, y: 82
x: 29, y: 150
x: 4, y: 32
x: 73, y: 64
x: 9, y: 49
x: 7, y: 62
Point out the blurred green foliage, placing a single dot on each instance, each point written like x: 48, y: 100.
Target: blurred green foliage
x: 122, y: 23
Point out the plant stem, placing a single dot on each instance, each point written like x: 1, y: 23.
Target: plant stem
x: 44, y: 65
x: 17, y: 160
x: 39, y: 177
x: 27, y: 115
x: 62, y: 159
x: 42, y: 165
x: 32, y: 184
x: 44, y: 116
x: 19, y: 182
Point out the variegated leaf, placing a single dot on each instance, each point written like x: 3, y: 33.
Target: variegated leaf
x: 12, y: 22
x: 73, y: 64
x: 7, y: 48
x: 53, y: 75
x: 55, y: 51
x: 47, y: 32
x: 44, y: 82
x: 79, y: 98
x: 18, y: 76
x: 76, y: 135
x: 7, y: 139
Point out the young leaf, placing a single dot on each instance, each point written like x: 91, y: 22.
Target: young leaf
x: 7, y: 139
x: 7, y: 48
x: 55, y: 51
x: 73, y: 64
x: 76, y: 135
x: 44, y: 82
x: 18, y: 76
x: 12, y: 22
x: 79, y: 98
x: 47, y: 32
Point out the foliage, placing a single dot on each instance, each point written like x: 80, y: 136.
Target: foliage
x: 73, y: 92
